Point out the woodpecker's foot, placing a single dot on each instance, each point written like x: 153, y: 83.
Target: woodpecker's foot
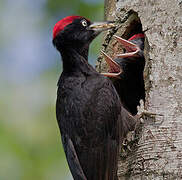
x: 146, y: 114
x: 131, y: 51
x: 154, y: 118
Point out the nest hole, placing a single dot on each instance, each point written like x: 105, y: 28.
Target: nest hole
x: 134, y: 26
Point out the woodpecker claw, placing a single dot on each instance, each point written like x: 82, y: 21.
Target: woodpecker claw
x: 145, y: 114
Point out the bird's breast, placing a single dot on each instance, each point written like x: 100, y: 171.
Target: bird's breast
x: 76, y: 111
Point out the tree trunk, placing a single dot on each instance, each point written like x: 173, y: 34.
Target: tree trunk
x: 155, y: 152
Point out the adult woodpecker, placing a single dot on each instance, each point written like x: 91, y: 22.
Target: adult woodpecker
x: 89, y: 112
x: 128, y: 69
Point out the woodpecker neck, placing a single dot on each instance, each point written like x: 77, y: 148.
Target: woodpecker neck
x: 82, y: 50
x: 75, y: 61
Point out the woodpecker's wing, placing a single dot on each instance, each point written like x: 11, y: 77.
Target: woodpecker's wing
x: 98, y: 151
x: 91, y: 138
x: 72, y: 158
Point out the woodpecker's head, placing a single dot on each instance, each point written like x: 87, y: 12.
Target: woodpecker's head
x: 77, y: 32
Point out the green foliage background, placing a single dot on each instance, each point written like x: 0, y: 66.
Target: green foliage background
x: 30, y: 145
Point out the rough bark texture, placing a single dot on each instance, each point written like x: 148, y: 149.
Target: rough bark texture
x: 155, y: 152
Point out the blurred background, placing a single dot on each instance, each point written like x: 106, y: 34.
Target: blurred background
x: 30, y: 144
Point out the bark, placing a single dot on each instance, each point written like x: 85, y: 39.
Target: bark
x: 154, y: 151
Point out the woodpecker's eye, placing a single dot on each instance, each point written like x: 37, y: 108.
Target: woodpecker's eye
x: 84, y: 23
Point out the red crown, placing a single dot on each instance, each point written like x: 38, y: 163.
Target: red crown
x: 60, y: 25
x: 136, y: 36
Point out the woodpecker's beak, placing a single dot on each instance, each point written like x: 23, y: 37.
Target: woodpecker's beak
x: 101, y: 26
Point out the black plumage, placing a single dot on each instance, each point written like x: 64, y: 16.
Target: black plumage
x: 89, y: 112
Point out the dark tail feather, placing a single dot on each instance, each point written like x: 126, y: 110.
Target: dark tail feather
x: 73, y: 162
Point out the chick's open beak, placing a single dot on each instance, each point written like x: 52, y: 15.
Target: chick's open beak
x: 101, y: 26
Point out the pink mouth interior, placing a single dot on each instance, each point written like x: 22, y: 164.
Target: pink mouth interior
x: 113, y: 68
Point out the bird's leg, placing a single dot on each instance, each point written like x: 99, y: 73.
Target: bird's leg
x: 145, y: 114
x: 130, y: 138
x: 129, y: 122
